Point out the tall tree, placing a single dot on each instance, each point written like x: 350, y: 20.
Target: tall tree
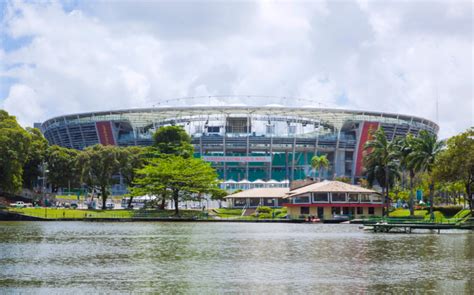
x: 425, y: 149
x: 130, y: 158
x: 182, y: 177
x: 14, y: 147
x: 219, y: 195
x: 456, y: 163
x: 173, y: 140
x: 406, y: 146
x: 381, y: 158
x: 63, y: 167
x: 98, y: 164
x: 36, y: 155
x: 318, y: 163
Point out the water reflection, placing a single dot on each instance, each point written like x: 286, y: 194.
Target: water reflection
x: 44, y: 257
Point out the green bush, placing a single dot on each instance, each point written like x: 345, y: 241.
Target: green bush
x: 280, y: 213
x: 264, y: 216
x: 448, y: 211
x: 438, y: 217
x: 405, y: 213
x: 462, y: 214
x: 264, y: 209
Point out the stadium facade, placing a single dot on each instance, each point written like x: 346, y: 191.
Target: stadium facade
x: 245, y: 142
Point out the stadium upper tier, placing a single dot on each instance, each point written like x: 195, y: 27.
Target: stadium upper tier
x: 285, y: 136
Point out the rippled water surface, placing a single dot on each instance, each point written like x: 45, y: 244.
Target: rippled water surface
x: 87, y: 257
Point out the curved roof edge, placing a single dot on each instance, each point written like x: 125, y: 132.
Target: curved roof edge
x: 245, y: 108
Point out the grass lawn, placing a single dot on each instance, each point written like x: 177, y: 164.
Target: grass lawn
x: 232, y: 213
x: 53, y: 213
x: 74, y: 197
x: 406, y: 213
x: 228, y: 213
x: 439, y: 217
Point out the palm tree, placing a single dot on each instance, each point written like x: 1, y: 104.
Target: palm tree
x: 425, y: 149
x: 381, y: 162
x: 405, y: 146
x: 319, y: 162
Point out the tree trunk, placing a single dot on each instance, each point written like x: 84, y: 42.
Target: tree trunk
x: 431, y: 200
x: 412, y: 209
x: 387, y: 185
x: 176, y: 200
x: 469, y: 198
x: 104, y: 196
x: 163, y: 202
x: 130, y: 202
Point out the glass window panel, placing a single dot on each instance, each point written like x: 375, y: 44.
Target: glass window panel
x: 320, y: 197
x: 240, y: 202
x: 365, y: 198
x: 304, y: 210
x: 268, y: 202
x: 354, y: 198
x: 376, y: 198
x: 254, y: 202
x: 338, y: 197
x: 303, y: 199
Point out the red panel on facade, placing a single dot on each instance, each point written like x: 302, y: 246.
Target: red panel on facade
x: 367, y: 129
x: 104, y: 131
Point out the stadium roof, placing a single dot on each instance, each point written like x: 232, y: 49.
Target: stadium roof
x: 336, y: 116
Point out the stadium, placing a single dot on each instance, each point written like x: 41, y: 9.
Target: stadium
x: 245, y: 142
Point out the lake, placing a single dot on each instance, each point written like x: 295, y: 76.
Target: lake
x: 255, y: 258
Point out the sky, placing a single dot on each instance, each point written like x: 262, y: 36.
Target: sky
x: 409, y: 57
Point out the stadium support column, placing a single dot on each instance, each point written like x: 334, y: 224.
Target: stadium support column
x: 82, y: 134
x: 305, y: 159
x: 224, y: 147
x: 135, y: 135
x: 248, y: 147
x: 316, y: 144
x: 356, y: 152
x: 68, y: 133
x: 271, y: 158
x: 336, y: 153
x: 200, y: 146
x: 293, y: 152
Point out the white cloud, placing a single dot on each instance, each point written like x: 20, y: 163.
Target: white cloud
x: 395, y: 57
x: 23, y: 103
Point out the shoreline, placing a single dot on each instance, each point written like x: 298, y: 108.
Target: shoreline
x: 10, y: 216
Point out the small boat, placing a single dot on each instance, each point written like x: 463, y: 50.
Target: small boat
x: 312, y: 220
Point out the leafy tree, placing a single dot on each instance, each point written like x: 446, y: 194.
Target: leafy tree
x: 173, y: 140
x: 425, y: 149
x: 130, y: 159
x: 98, y: 164
x: 381, y: 162
x: 14, y: 148
x: 63, y: 167
x: 456, y: 163
x: 343, y: 179
x: 219, y: 195
x: 36, y: 155
x: 406, y: 146
x: 181, y: 177
x: 318, y: 163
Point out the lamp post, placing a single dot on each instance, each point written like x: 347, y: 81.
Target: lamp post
x: 43, y: 190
